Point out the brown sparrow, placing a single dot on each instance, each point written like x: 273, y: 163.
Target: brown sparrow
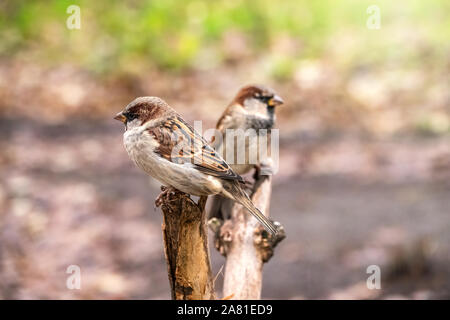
x: 167, y: 148
x: 252, y: 108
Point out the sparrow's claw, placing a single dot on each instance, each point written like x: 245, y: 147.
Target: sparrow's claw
x: 159, y: 199
x: 164, y: 196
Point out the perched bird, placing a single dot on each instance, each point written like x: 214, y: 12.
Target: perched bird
x: 252, y: 108
x: 167, y: 148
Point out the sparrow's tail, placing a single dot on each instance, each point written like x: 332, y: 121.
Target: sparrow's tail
x: 241, y: 197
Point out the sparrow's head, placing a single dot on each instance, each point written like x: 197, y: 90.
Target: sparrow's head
x: 141, y: 110
x: 258, y: 95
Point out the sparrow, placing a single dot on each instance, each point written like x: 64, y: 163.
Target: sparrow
x: 252, y: 108
x: 166, y: 147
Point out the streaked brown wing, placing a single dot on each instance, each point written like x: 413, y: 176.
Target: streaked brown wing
x: 179, y: 143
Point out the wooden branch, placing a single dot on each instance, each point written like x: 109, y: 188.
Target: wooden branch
x: 186, y: 246
x: 246, y: 244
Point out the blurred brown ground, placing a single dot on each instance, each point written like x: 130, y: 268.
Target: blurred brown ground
x: 359, y: 183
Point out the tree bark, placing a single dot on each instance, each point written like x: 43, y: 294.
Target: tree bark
x: 186, y: 246
x: 246, y: 245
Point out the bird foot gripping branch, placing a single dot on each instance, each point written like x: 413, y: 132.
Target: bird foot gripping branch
x: 170, y: 194
x: 166, y: 194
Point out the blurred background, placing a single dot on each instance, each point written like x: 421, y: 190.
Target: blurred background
x: 364, y: 140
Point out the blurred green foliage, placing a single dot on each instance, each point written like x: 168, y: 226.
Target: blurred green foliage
x: 175, y: 35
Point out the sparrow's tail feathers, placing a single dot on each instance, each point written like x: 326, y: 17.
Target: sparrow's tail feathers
x: 247, y: 203
x: 242, y: 197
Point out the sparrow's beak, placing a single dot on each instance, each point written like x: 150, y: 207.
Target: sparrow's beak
x: 120, y: 117
x: 275, y: 101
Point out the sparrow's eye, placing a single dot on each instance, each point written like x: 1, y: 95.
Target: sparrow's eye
x: 264, y: 99
x: 130, y: 116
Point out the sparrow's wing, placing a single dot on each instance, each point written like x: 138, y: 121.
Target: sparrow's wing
x: 179, y: 143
